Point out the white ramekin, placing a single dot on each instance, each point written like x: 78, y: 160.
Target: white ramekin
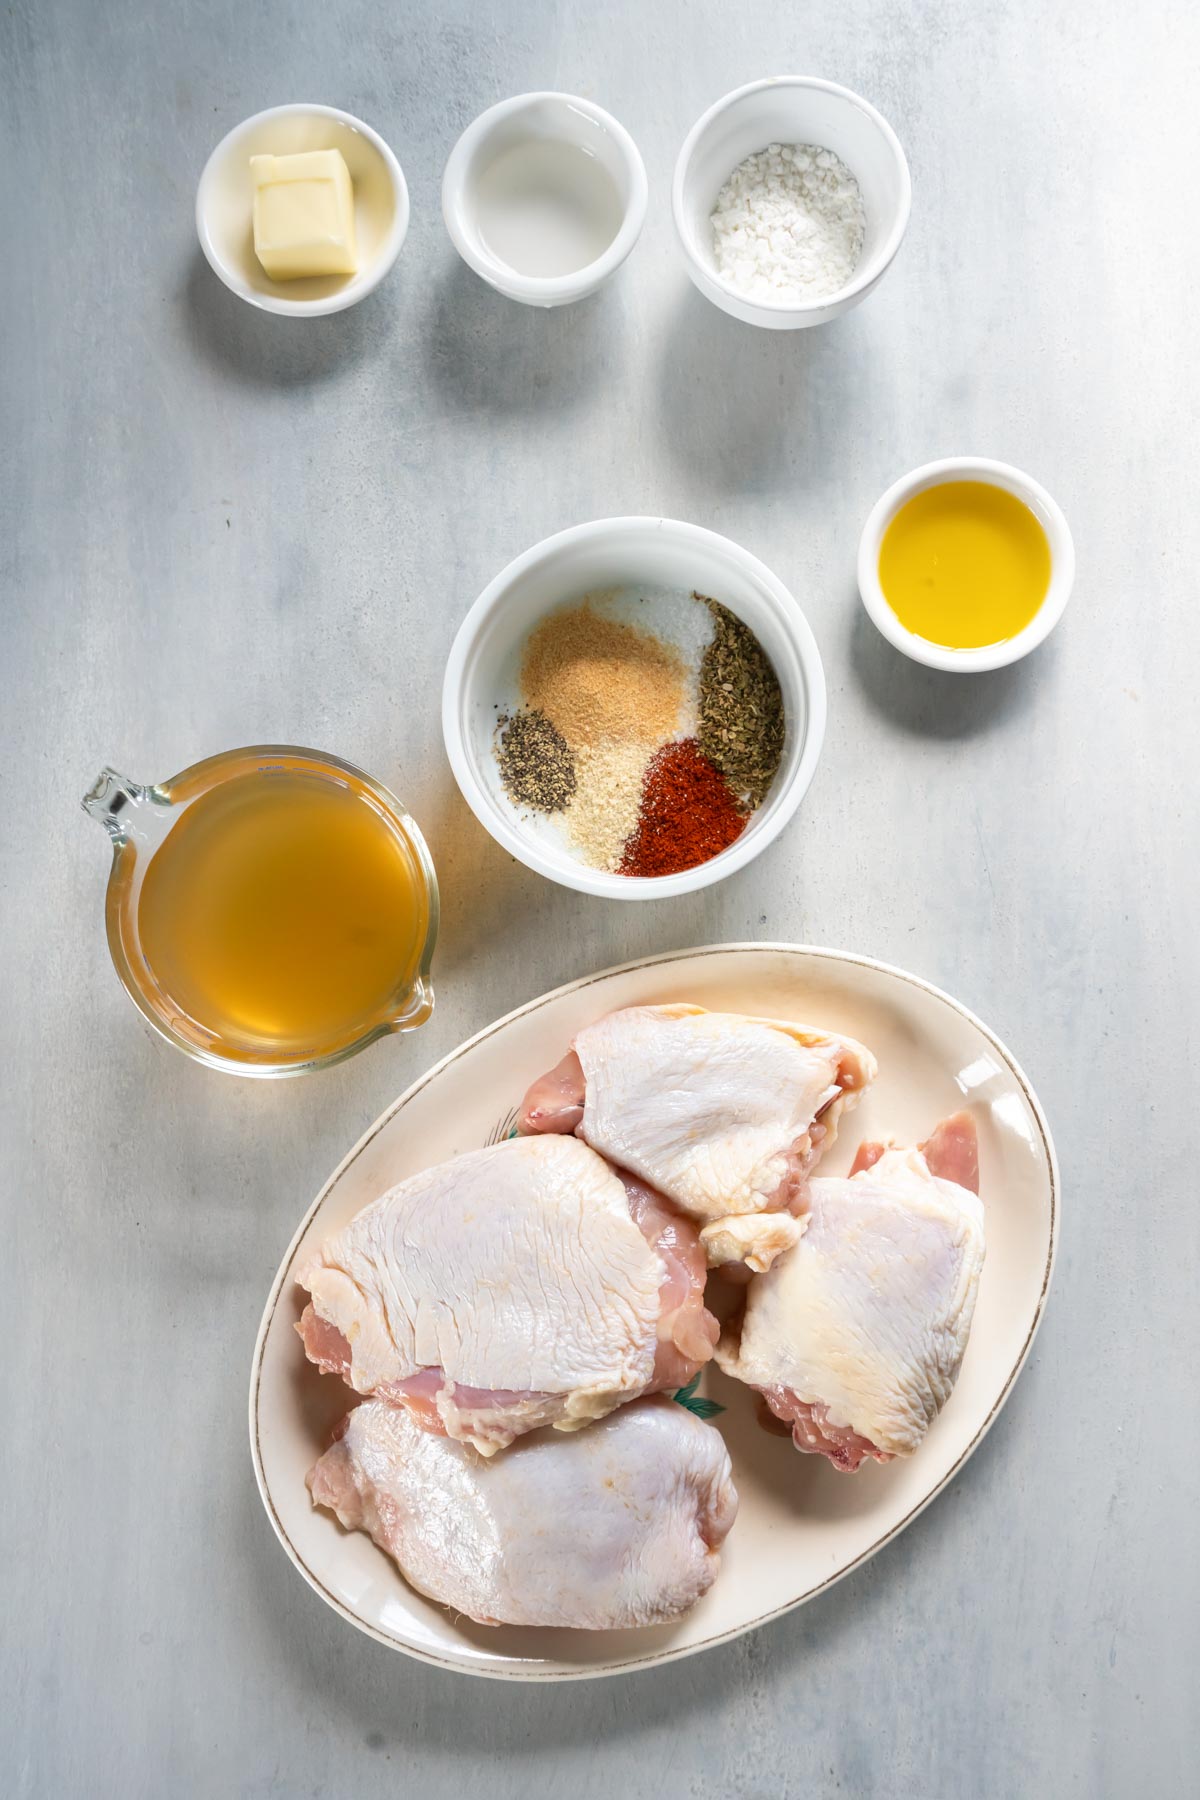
x: 655, y: 553
x: 225, y: 207
x: 791, y: 109
x: 1044, y: 509
x: 554, y: 117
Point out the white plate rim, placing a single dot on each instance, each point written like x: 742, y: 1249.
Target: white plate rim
x: 626, y: 1665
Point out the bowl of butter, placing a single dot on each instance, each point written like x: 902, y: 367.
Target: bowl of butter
x: 302, y: 210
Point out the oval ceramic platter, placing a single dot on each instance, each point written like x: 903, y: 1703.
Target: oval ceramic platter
x: 801, y: 1525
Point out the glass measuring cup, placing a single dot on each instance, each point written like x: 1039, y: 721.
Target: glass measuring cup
x: 227, y: 794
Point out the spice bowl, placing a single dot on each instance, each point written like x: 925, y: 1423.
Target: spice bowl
x: 635, y: 555
x: 544, y: 196
x: 225, y: 208
x: 988, y: 656
x: 791, y: 109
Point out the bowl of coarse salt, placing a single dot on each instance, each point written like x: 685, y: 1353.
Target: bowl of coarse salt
x: 791, y: 197
x: 630, y: 610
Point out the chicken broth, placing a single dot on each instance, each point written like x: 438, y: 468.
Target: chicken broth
x: 284, y: 914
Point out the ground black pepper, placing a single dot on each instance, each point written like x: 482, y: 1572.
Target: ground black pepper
x: 536, y: 765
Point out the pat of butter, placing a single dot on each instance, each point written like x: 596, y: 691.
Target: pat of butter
x: 303, y: 214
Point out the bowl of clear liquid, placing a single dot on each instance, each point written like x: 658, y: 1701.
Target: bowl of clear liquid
x: 544, y: 196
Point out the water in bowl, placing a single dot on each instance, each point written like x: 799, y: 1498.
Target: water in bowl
x: 547, y: 208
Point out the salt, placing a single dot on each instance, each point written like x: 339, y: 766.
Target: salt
x: 789, y: 224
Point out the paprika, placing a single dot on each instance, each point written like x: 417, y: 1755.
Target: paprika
x: 688, y: 813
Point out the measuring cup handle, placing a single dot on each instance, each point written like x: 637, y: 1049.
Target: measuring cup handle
x: 115, y: 800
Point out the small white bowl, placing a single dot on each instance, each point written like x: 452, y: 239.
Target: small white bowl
x: 791, y: 109
x: 482, y: 679
x: 225, y: 207
x: 543, y: 118
x: 1040, y: 504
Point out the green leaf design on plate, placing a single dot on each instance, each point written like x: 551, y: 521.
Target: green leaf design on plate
x: 696, y: 1403
x: 704, y: 1409
x: 504, y: 1128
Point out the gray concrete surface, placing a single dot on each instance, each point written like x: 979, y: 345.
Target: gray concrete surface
x: 220, y: 528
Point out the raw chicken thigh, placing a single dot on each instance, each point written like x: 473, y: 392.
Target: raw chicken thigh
x: 616, y: 1526
x: 724, y: 1114
x: 854, y: 1339
x: 523, y: 1285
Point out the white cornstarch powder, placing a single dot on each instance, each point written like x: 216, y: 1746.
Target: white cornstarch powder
x: 788, y: 224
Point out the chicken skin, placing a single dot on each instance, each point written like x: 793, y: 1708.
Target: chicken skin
x: 523, y: 1285
x: 620, y: 1525
x: 854, y: 1339
x: 724, y: 1114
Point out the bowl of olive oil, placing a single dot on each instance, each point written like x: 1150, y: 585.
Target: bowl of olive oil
x: 966, y: 564
x: 270, y: 910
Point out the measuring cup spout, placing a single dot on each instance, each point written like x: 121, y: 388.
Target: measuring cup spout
x: 116, y: 801
x: 417, y: 1008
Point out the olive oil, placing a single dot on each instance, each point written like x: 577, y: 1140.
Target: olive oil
x: 283, y: 915
x: 964, y: 564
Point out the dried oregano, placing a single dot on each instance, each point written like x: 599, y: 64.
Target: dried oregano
x: 741, y: 707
